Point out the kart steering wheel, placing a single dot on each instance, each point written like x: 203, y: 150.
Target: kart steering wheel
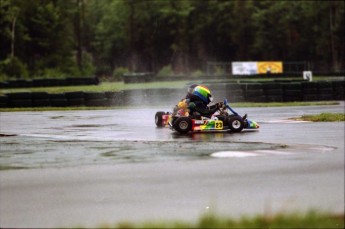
x: 228, y: 106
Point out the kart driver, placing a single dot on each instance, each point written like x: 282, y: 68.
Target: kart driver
x: 183, y: 104
x: 190, y: 91
x: 198, y: 101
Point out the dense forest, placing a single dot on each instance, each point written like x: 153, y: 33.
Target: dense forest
x: 42, y: 38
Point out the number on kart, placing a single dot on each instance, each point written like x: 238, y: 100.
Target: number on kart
x: 219, y: 125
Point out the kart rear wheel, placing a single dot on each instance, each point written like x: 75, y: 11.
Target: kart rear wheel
x: 159, y: 119
x: 182, y: 124
x: 236, y: 124
x: 173, y: 120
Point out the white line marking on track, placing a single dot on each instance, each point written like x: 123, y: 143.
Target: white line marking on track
x: 223, y: 154
x: 254, y: 153
x: 272, y: 152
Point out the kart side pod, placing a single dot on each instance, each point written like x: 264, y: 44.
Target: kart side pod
x: 186, y: 124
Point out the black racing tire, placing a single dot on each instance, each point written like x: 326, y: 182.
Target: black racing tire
x: 236, y: 124
x: 19, y: 96
x: 159, y: 119
x: 96, y: 102
x: 74, y: 95
x: 20, y: 103
x: 76, y: 102
x: 173, y: 119
x: 59, y: 102
x: 94, y: 95
x: 182, y: 125
x: 41, y: 103
x: 40, y: 96
x: 274, y: 92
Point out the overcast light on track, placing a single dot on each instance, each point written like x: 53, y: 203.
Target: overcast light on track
x: 65, y: 164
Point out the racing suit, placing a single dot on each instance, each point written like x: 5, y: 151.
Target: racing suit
x: 198, y: 108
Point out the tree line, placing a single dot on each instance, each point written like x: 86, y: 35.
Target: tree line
x: 83, y: 37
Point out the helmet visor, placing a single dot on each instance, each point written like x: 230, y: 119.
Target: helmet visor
x: 191, y: 88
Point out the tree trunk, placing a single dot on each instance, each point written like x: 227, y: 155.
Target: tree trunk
x: 78, y: 34
x: 13, y: 36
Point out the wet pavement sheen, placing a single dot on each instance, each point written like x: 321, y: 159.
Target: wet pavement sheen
x: 91, y: 167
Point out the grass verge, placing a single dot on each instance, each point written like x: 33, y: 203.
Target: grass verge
x: 323, y: 117
x: 311, y: 219
x: 102, y: 87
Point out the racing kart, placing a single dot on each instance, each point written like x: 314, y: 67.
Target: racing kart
x: 225, y: 119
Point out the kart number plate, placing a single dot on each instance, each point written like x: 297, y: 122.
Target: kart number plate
x: 218, y: 125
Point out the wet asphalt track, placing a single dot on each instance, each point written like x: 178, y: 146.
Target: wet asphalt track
x: 91, y: 167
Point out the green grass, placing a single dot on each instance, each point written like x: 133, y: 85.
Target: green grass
x: 9, y: 167
x: 102, y: 87
x: 311, y: 219
x: 324, y: 117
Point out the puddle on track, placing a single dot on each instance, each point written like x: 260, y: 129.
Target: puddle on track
x: 73, y: 138
x: 33, y: 152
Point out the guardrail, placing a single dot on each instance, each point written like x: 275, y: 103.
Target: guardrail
x: 283, y: 91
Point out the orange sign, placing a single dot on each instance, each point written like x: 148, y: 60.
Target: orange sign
x: 270, y: 67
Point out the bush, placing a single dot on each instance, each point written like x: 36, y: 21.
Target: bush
x: 69, y: 67
x: 119, y: 72
x: 219, y: 70
x: 13, y: 67
x: 87, y: 65
x: 198, y: 73
x: 3, y: 76
x: 50, y: 73
x: 103, y: 70
x: 166, y: 71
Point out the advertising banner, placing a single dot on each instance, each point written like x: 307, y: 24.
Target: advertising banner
x: 244, y: 68
x: 265, y: 67
x: 253, y: 68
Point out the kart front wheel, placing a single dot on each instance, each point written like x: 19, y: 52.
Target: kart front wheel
x: 235, y: 123
x: 159, y: 118
x: 182, y: 125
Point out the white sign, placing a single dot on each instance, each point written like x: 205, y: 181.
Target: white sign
x: 308, y: 75
x: 244, y: 68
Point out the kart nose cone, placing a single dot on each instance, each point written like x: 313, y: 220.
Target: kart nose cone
x: 253, y: 125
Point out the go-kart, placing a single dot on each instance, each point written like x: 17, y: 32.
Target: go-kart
x: 225, y: 119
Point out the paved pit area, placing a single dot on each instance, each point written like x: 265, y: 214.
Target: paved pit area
x: 86, y: 168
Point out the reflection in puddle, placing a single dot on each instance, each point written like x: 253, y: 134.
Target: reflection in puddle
x: 36, y: 152
x: 297, y: 149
